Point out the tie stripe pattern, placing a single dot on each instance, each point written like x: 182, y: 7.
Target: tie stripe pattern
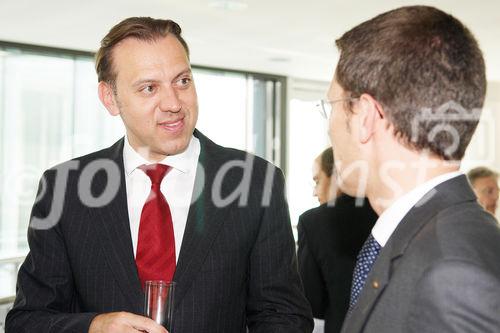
x: 155, y: 257
x: 364, y: 263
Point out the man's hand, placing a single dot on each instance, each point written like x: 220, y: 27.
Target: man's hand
x: 124, y: 322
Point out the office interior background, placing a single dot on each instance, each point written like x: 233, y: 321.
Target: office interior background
x: 260, y: 67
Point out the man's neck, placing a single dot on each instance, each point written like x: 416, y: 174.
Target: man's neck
x: 402, y: 175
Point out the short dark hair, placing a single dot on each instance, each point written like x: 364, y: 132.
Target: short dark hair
x: 412, y: 59
x: 141, y: 28
x: 327, y: 162
x: 480, y: 172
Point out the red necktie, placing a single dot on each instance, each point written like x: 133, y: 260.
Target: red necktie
x: 155, y: 257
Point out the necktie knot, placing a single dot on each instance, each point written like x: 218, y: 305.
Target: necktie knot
x: 155, y: 172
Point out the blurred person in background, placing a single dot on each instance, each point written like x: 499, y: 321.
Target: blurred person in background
x: 330, y: 237
x: 484, y: 181
x: 325, y: 188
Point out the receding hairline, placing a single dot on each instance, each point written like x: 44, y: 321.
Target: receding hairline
x: 153, y: 40
x: 140, y: 28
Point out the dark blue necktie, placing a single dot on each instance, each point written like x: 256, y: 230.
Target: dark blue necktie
x: 366, y: 258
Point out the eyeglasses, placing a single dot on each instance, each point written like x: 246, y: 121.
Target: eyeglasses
x: 325, y: 106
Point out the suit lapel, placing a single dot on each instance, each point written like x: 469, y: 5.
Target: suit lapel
x: 379, y: 276
x: 203, y: 223
x: 112, y: 225
x: 444, y: 195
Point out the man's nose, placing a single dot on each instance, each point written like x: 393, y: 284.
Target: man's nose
x: 169, y: 100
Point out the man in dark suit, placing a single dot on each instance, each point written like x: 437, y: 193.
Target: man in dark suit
x: 163, y: 203
x: 406, y: 97
x: 330, y: 237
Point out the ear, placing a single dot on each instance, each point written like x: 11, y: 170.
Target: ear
x: 107, y: 97
x: 371, y: 114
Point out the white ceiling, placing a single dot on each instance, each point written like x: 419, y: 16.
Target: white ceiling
x: 300, y: 32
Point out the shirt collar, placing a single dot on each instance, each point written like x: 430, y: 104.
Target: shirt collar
x: 181, y: 162
x: 392, y: 216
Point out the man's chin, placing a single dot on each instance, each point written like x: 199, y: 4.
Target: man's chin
x: 175, y: 147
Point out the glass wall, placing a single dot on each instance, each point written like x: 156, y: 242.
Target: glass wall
x: 50, y: 112
x: 307, y: 137
x: 241, y: 110
x: 223, y: 109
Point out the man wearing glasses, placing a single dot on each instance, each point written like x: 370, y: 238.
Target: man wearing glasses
x: 406, y: 97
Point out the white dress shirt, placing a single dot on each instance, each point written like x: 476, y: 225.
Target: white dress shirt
x: 392, y: 216
x: 177, y: 187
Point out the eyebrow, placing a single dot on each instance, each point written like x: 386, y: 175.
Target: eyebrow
x: 140, y: 82
x: 184, y: 72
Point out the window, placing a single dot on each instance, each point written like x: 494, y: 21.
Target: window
x: 307, y: 137
x: 49, y: 106
x: 241, y: 110
x: 50, y: 112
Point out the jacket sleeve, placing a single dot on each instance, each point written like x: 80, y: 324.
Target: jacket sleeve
x: 276, y: 301
x: 310, y: 272
x: 45, y: 294
x: 456, y: 296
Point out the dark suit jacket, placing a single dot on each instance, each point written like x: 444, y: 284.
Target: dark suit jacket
x: 236, y: 267
x: 330, y: 238
x: 439, y: 271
